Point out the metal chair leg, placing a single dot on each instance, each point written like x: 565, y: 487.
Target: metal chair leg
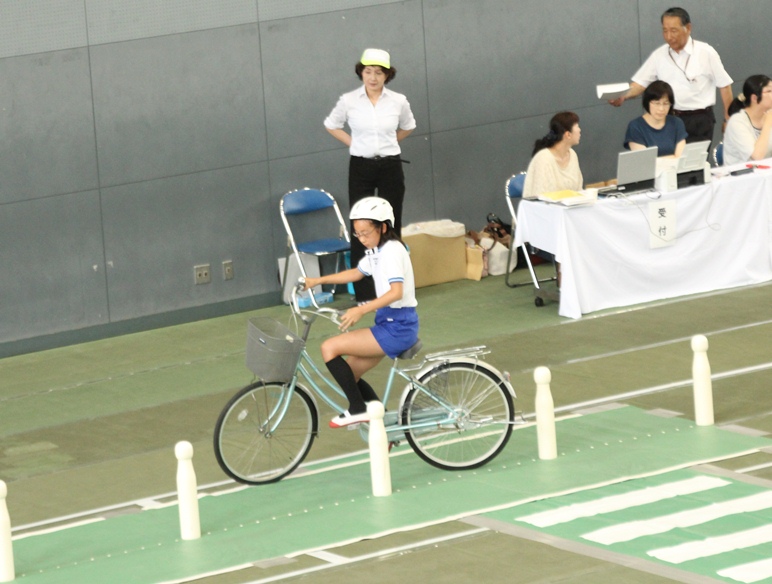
x: 512, y: 251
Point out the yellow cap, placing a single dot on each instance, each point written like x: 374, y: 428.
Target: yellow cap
x: 376, y: 57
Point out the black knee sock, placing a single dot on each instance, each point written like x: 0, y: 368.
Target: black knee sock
x: 367, y: 392
x: 345, y: 378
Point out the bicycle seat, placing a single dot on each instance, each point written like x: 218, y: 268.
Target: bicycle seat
x: 412, y: 351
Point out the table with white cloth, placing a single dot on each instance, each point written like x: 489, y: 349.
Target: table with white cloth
x: 723, y: 239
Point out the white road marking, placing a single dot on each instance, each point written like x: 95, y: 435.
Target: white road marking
x: 624, y: 501
x: 712, y: 546
x: 634, y: 529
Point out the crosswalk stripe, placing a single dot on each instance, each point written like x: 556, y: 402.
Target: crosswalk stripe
x: 635, y: 529
x: 624, y: 501
x: 750, y: 572
x: 713, y: 545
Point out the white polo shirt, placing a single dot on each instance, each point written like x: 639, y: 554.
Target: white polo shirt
x: 694, y: 74
x: 373, y: 127
x: 387, y: 264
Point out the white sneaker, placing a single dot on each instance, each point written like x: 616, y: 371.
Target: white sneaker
x: 346, y: 419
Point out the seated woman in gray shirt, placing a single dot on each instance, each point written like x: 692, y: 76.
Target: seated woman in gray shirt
x: 748, y: 133
x: 657, y: 127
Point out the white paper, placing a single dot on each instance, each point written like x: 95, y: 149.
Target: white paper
x: 612, y: 90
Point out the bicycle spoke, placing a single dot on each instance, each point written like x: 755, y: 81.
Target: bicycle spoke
x: 472, y: 433
x: 261, y: 437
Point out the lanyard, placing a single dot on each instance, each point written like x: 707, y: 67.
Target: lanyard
x: 686, y: 65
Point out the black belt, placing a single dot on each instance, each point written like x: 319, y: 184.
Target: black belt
x: 378, y: 158
x: 704, y: 110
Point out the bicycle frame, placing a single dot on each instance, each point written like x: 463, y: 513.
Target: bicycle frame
x: 456, y: 410
x: 309, y: 371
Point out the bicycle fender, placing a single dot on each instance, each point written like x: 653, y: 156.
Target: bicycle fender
x: 477, y: 362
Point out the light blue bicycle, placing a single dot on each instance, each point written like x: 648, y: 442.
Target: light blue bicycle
x: 456, y: 410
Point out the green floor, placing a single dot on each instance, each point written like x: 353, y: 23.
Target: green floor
x: 669, y: 533
x: 332, y: 508
x: 94, y: 425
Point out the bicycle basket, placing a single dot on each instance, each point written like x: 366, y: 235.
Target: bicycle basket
x: 273, y: 350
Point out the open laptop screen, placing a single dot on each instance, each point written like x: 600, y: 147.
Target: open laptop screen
x: 694, y: 156
x: 637, y: 169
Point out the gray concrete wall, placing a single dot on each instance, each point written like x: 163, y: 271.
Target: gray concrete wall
x: 140, y: 138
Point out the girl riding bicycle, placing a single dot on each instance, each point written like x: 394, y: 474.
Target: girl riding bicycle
x: 396, y: 321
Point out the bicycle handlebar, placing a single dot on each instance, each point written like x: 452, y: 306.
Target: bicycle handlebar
x: 309, y: 315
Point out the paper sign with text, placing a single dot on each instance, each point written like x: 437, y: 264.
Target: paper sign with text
x: 662, y: 222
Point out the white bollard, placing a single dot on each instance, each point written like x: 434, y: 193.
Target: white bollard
x: 7, y: 573
x: 380, y: 472
x: 545, y: 415
x: 187, y: 492
x: 703, y: 386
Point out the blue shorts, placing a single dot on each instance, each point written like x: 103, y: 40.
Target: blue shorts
x: 396, y: 329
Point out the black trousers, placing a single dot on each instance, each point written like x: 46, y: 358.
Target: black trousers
x: 367, y: 177
x: 699, y: 124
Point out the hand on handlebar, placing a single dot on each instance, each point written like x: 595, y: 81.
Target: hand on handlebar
x: 310, y: 283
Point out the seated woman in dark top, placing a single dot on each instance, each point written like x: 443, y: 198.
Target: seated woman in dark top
x: 657, y: 127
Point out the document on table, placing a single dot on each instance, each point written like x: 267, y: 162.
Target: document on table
x: 612, y: 90
x: 568, y: 197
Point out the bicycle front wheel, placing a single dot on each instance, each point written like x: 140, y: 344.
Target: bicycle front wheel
x: 477, y: 428
x: 257, y: 441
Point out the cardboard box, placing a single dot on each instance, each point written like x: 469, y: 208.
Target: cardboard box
x: 474, y: 263
x: 436, y: 259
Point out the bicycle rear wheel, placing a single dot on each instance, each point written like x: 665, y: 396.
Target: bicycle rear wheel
x: 483, y: 419
x: 244, y: 444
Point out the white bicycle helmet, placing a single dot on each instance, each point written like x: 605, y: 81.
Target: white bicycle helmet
x: 373, y: 208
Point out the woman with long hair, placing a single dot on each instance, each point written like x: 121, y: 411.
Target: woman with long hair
x: 748, y: 133
x: 555, y: 165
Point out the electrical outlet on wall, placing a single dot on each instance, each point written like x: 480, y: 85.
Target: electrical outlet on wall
x: 227, y: 270
x: 202, y: 274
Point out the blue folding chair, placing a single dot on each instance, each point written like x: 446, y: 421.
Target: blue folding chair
x: 319, y: 213
x: 514, y: 191
x: 718, y: 154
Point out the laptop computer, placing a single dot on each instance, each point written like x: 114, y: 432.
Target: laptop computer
x: 691, y: 165
x: 636, y: 171
x: 693, y: 157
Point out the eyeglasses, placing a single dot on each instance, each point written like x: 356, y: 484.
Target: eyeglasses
x: 361, y: 234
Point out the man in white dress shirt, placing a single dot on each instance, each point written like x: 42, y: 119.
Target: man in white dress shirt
x: 694, y: 71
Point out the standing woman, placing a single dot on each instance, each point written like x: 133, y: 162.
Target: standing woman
x: 379, y: 119
x: 555, y: 165
x: 748, y: 133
